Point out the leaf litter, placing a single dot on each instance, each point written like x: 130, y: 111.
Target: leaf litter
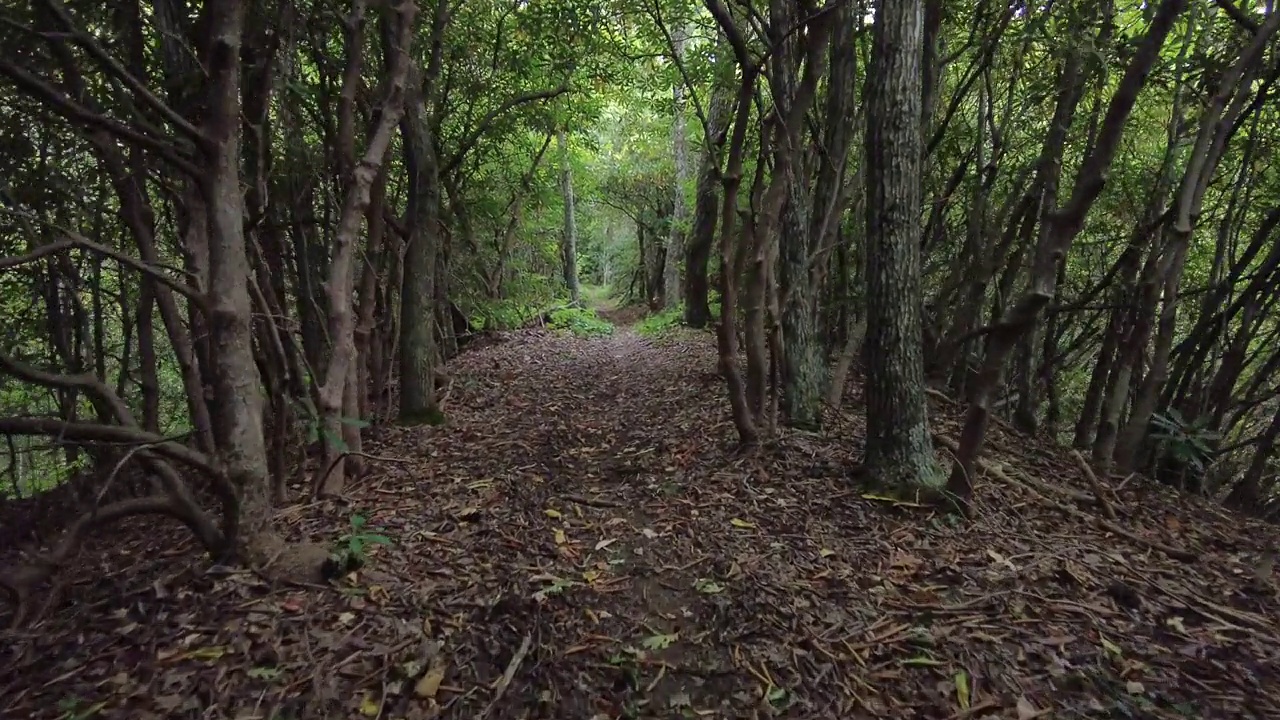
x: 581, y: 540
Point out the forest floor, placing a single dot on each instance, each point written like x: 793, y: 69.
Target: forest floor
x: 582, y: 541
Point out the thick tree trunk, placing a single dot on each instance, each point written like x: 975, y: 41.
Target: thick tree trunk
x: 899, y: 451
x: 237, y: 420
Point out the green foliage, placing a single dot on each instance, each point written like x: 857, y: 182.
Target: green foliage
x: 1185, y: 442
x: 314, y: 426
x: 664, y: 322
x: 506, y: 314
x: 349, y: 552
x: 659, y: 324
x: 580, y: 322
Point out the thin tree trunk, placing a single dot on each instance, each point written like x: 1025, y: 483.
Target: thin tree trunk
x: 569, y: 238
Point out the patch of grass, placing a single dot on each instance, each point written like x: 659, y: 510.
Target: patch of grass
x: 661, y: 323
x: 594, y: 295
x: 580, y: 322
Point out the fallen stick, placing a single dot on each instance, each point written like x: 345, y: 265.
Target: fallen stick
x: 1096, y: 485
x: 1111, y: 527
x: 505, y: 681
x: 593, y: 502
x: 1030, y: 485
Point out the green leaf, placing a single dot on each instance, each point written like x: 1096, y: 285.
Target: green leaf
x: 660, y: 641
x: 962, y: 689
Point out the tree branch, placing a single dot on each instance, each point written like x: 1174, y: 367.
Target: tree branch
x: 111, y: 434
x: 483, y: 126
x: 87, y: 42
x: 74, y: 239
x: 1237, y: 15
x: 77, y: 113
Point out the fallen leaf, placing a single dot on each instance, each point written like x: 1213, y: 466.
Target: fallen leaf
x: 962, y: 689
x: 553, y: 513
x: 826, y: 552
x: 560, y: 537
x: 263, y: 673
x: 1109, y: 646
x: 369, y: 707
x: 921, y: 660
x: 429, y: 684
x: 1133, y: 687
x: 708, y: 587
x: 1000, y: 559
x: 208, y: 654
x: 1027, y: 711
x: 739, y: 523
x: 660, y: 641
x: 605, y: 543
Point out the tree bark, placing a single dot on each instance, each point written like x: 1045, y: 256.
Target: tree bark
x: 679, y: 212
x: 569, y: 238
x: 899, y: 452
x: 417, y: 338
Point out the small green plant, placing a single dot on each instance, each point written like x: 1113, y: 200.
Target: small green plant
x: 580, y: 322
x: 661, y: 323
x: 1188, y: 443
x: 315, y: 429
x: 503, y: 315
x: 350, y: 551
x: 73, y: 708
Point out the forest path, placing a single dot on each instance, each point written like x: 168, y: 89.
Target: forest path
x: 581, y: 541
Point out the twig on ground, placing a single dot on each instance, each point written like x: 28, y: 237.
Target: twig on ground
x: 593, y: 502
x: 1098, y: 491
x: 1035, y: 487
x: 505, y: 681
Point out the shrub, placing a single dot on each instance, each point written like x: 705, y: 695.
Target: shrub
x: 580, y: 322
x: 661, y: 323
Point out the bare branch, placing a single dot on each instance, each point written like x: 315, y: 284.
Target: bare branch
x: 74, y: 239
x: 21, y: 581
x: 113, y: 434
x: 1237, y: 15
x: 91, y: 46
x: 483, y: 126
x: 77, y: 113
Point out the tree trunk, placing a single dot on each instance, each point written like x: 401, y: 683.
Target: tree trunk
x: 899, y: 451
x: 697, y: 309
x: 1054, y: 245
x: 680, y: 147
x: 569, y: 238
x: 418, y: 402
x: 237, y: 419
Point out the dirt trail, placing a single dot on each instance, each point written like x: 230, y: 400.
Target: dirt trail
x: 581, y: 541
